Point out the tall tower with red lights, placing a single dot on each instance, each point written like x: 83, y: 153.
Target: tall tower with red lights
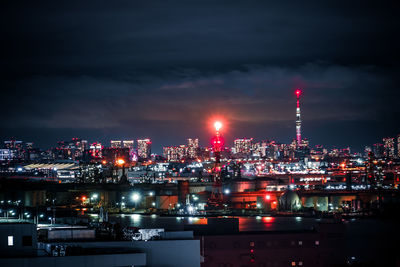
x: 217, y: 142
x: 217, y: 145
x: 298, y: 120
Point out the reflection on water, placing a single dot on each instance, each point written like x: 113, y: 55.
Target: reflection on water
x: 361, y: 242
x: 258, y: 223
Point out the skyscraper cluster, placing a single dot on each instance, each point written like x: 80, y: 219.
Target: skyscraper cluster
x: 177, y: 153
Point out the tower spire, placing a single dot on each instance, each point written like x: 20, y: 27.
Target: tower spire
x: 298, y: 120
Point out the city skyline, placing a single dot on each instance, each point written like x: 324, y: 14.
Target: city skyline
x: 199, y: 133
x: 231, y: 138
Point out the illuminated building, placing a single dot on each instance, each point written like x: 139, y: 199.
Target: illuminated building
x: 243, y: 146
x: 304, y: 143
x: 379, y: 150
x: 169, y: 153
x: 334, y: 153
x: 263, y: 149
x: 217, y: 143
x: 96, y: 150
x: 182, y: 151
x: 29, y: 145
x: 70, y: 149
x: 293, y: 144
x: 144, y: 148
x: 285, y: 151
x: 80, y: 146
x: 273, y: 150
x: 175, y: 153
x: 115, y: 144
x: 113, y: 154
x: 6, y: 154
x: 192, y: 148
x: 256, y: 149
x: 367, y: 150
x: 298, y: 120
x: 388, y: 144
x: 84, y: 145
x: 398, y: 146
x: 16, y: 147
x: 127, y: 143
x: 12, y: 144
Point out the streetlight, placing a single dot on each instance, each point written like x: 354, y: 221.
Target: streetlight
x: 135, y: 198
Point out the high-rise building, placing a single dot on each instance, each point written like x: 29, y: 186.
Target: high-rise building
x: 13, y: 144
x: 115, y: 144
x: 127, y: 143
x: 298, y: 120
x: 398, y: 146
x: 96, y: 150
x: 379, y: 150
x: 175, y: 153
x: 144, y: 148
x: 388, y: 144
x: 84, y: 145
x: 6, y: 154
x: 256, y: 149
x: 263, y: 149
x: 192, y: 148
x: 70, y: 149
x: 243, y: 146
x: 273, y: 150
x: 29, y: 145
x: 367, y: 150
x: 169, y: 153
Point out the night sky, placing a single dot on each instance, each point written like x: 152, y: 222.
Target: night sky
x: 105, y: 70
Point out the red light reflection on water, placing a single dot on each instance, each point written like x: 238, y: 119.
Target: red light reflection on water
x: 196, y: 220
x: 267, y: 220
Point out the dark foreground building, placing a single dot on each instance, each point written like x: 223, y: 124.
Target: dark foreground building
x: 222, y: 245
x: 19, y: 248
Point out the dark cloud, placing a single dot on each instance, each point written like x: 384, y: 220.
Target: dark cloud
x: 161, y: 69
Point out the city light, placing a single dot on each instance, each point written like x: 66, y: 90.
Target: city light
x: 120, y: 161
x: 206, y: 134
x: 135, y: 197
x: 217, y: 125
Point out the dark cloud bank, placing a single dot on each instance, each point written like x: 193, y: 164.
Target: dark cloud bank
x: 163, y: 69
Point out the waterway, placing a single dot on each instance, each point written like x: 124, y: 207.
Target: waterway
x: 365, y: 239
x: 256, y: 223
